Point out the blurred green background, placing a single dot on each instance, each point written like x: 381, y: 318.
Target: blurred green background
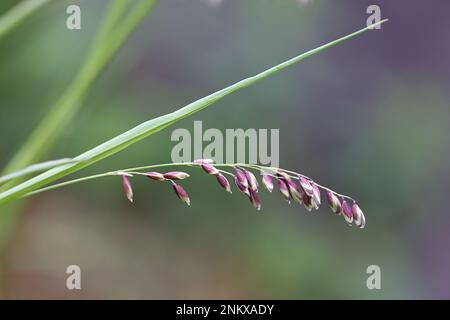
x: 369, y: 118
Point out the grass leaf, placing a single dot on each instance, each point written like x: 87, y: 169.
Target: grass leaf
x: 38, y: 167
x: 150, y: 127
x: 19, y: 13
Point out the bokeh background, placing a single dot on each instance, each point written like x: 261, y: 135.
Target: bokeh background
x: 369, y: 118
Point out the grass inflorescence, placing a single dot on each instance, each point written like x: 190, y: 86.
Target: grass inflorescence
x: 293, y: 186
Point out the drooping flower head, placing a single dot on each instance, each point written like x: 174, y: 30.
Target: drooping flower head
x: 305, y: 192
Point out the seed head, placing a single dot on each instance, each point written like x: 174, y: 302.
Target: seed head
x: 175, y: 175
x: 252, y: 182
x: 127, y: 189
x: 223, y: 182
x: 284, y: 189
x: 347, y: 211
x: 155, y: 176
x: 358, y: 216
x: 209, y: 169
x: 334, y: 202
x: 267, y: 182
x: 181, y: 193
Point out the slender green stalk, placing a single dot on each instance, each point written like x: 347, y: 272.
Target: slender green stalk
x: 150, y: 127
x: 38, y: 167
x: 18, y: 14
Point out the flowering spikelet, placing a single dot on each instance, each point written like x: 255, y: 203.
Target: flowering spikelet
x: 284, y: 189
x: 316, y: 196
x: 252, y: 182
x: 240, y: 186
x: 306, y: 186
x: 254, y: 199
x: 155, y: 176
x: 358, y: 216
x: 241, y: 181
x: 223, y: 182
x: 267, y: 181
x: 200, y: 161
x: 334, y: 202
x: 181, y: 193
x: 127, y: 189
x: 209, y: 169
x: 294, y: 190
x: 175, y: 175
x: 308, y: 202
x: 347, y: 211
x: 280, y: 173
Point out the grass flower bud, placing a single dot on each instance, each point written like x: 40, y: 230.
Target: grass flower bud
x: 127, y: 188
x: 316, y: 196
x: 251, y: 179
x: 209, y: 169
x: 254, y: 199
x: 267, y: 182
x: 181, y: 193
x: 155, y: 176
x: 175, y: 175
x: 334, y: 202
x: 284, y: 189
x: 223, y: 182
x: 308, y: 202
x: 358, y: 216
x: 347, y: 211
x: 294, y: 190
x: 241, y: 178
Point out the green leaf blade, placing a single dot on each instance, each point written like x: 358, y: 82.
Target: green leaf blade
x: 38, y: 167
x: 150, y: 127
